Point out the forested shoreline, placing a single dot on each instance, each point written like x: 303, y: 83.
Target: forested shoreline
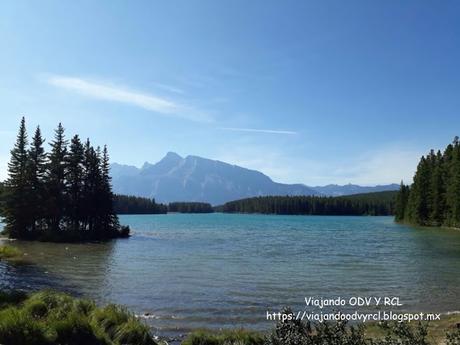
x: 433, y: 199
x: 61, y: 195
x: 129, y: 204
x: 190, y: 207
x: 369, y: 204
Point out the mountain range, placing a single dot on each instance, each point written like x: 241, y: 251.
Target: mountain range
x: 193, y: 178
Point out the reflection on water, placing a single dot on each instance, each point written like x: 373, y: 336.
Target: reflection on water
x: 74, y: 268
x: 219, y: 270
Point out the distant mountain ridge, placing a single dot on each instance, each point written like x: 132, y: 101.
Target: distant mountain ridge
x: 193, y: 178
x: 350, y: 189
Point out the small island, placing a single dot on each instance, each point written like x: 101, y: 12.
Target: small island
x: 63, y: 195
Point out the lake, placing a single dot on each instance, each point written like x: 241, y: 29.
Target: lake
x: 226, y: 270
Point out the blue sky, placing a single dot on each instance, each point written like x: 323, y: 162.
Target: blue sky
x: 314, y: 92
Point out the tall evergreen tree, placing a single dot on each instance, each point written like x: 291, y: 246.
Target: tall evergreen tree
x: 55, y: 180
x: 401, y: 202
x: 91, y: 187
x: 437, y: 191
x: 453, y: 187
x: 36, y: 169
x: 16, y: 199
x: 74, y: 180
x: 110, y: 220
x: 419, y: 196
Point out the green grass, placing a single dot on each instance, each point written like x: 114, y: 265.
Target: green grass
x: 225, y: 337
x: 51, y: 318
x: 10, y: 253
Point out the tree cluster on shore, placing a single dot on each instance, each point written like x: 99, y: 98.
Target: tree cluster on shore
x: 62, y: 195
x: 433, y: 199
x: 372, y: 204
x: 129, y: 204
x: 190, y: 207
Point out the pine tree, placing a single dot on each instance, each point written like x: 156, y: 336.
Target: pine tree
x: 74, y: 182
x: 437, y: 191
x: 453, y: 187
x: 55, y: 180
x: 16, y: 199
x: 401, y: 202
x: 419, y: 196
x: 91, y: 185
x: 109, y: 219
x: 36, y: 169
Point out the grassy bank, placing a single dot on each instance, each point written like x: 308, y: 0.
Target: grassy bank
x: 52, y: 318
x: 10, y: 253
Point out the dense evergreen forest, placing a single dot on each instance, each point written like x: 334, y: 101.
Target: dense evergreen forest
x: 124, y: 204
x: 128, y: 204
x: 372, y: 204
x: 433, y: 199
x: 190, y: 207
x: 62, y: 195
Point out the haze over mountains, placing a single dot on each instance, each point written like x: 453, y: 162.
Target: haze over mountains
x: 194, y: 178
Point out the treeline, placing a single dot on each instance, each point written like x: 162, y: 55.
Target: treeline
x: 128, y: 204
x: 190, y: 207
x: 433, y: 199
x: 371, y: 204
x: 61, y: 195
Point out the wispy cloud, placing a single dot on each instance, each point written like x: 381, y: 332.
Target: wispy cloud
x: 122, y: 94
x: 169, y: 88
x: 256, y: 130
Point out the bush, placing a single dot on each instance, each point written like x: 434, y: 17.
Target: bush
x: 133, y: 332
x: 75, y: 329
x: 125, y: 231
x: 400, y: 333
x: 110, y: 318
x: 52, y: 318
x: 297, y: 332
x: 36, y: 309
x: 453, y: 337
x: 19, y: 328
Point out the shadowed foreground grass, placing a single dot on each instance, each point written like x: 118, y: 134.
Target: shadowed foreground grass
x: 49, y: 318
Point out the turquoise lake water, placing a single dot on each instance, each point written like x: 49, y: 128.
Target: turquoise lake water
x: 224, y: 270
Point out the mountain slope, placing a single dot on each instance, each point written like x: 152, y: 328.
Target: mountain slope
x: 197, y: 179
